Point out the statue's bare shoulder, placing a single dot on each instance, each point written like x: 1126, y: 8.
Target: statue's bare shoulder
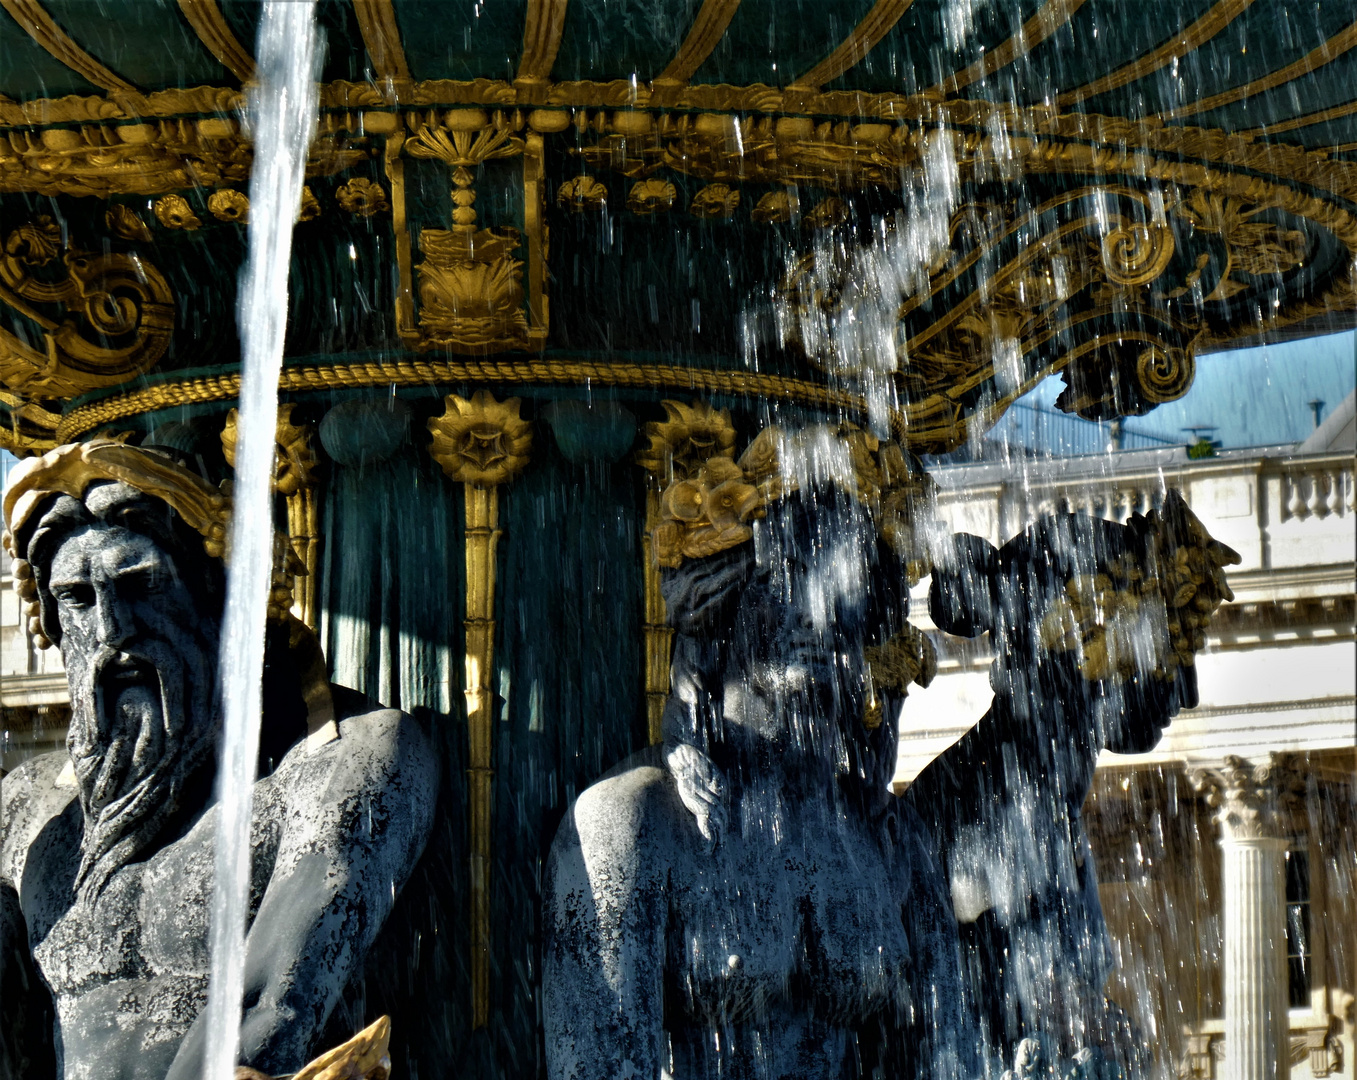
x: 30, y: 797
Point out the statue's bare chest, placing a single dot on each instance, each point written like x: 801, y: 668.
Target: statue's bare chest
x: 149, y: 923
x: 817, y: 913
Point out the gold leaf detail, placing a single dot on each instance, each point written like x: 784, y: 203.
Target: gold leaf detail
x: 124, y: 221
x: 481, y: 441
x: 715, y: 200
x: 775, y: 207
x: 230, y: 205
x: 174, y: 212
x: 362, y: 197
x: 650, y: 196
x: 582, y: 193
x: 310, y: 208
x: 827, y: 214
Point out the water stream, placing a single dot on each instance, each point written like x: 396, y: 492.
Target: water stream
x: 282, y: 115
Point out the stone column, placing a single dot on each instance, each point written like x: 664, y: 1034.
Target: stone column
x: 1249, y: 801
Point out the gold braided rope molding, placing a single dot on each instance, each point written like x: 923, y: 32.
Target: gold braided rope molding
x: 213, y: 31
x: 1331, y: 50
x: 1335, y: 112
x: 1203, y: 30
x: 33, y: 17
x: 86, y: 418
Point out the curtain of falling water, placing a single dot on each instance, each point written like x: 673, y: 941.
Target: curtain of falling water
x: 283, y: 111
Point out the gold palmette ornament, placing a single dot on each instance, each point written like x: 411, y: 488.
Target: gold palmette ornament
x: 480, y: 443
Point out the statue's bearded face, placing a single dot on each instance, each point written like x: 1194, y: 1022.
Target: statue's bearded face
x: 141, y: 660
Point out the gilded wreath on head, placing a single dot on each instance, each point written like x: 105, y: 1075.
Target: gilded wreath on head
x: 710, y: 507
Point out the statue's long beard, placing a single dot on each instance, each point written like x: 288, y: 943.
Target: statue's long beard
x: 133, y: 744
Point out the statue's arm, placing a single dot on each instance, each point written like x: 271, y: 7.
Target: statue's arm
x: 25, y: 1004
x: 605, y: 930
x: 356, y: 814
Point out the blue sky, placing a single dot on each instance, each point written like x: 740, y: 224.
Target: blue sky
x: 1253, y: 397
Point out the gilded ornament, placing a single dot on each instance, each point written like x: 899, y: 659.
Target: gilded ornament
x: 230, y: 205
x: 174, y: 212
x: 906, y: 658
x: 310, y: 207
x: 367, y: 1056
x: 776, y: 207
x: 121, y: 301
x: 362, y: 197
x: 715, y: 201
x: 581, y: 194
x: 689, y: 436
x: 826, y: 214
x: 1137, y: 254
x: 651, y: 196
x: 711, y: 509
x: 1255, y: 248
x: 471, y: 289
x: 123, y: 221
x: 472, y: 142
x: 481, y: 441
x: 1178, y: 571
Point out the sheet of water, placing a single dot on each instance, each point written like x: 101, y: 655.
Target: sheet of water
x: 282, y: 114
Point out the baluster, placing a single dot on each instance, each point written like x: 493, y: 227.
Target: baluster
x: 1296, y: 503
x: 1319, y: 497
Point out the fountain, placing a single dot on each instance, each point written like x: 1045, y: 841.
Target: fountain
x: 592, y: 401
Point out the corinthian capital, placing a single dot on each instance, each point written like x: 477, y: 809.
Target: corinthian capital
x: 1253, y: 802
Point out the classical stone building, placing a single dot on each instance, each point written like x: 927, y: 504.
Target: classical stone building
x: 1227, y: 857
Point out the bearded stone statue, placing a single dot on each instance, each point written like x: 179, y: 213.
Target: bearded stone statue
x: 106, y: 851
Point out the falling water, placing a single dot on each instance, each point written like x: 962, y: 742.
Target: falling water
x: 282, y: 116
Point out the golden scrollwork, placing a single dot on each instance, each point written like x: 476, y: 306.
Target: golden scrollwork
x: 1252, y: 247
x: 125, y: 222
x: 294, y: 477
x: 481, y: 443
x: 113, y: 316
x: 367, y: 1056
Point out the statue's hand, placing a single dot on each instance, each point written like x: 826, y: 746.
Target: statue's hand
x: 702, y: 789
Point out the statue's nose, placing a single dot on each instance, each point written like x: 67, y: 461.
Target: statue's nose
x: 113, y: 621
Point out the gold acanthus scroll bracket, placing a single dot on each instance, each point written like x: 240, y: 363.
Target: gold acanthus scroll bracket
x: 295, y: 479
x: 679, y: 446
x: 481, y: 443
